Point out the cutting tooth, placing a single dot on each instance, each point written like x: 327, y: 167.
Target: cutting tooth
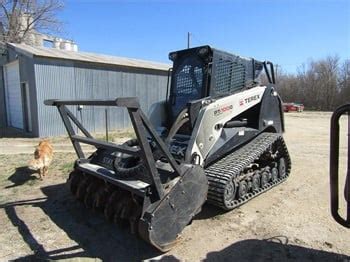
x: 74, y: 180
x: 118, y: 205
x: 111, y: 204
x: 90, y: 192
x: 82, y: 186
x: 134, y: 217
x: 102, y: 195
x: 121, y: 209
x: 100, y: 198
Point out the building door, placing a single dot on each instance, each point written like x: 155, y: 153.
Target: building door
x: 14, y: 106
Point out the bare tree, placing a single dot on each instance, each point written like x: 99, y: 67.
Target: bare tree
x: 288, y: 87
x: 319, y: 84
x: 344, y: 83
x: 19, y: 18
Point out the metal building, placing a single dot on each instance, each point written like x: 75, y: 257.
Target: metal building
x: 33, y: 74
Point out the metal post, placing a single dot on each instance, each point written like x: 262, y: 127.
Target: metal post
x: 106, y: 117
x: 347, y: 181
x: 188, y: 39
x: 80, y: 110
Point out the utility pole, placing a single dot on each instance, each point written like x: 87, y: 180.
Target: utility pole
x: 276, y: 73
x: 188, y: 39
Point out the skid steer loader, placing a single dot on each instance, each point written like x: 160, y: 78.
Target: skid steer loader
x: 216, y: 137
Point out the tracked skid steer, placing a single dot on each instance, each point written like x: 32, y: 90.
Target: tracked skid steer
x: 216, y: 137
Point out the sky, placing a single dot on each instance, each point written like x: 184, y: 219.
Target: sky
x: 285, y: 32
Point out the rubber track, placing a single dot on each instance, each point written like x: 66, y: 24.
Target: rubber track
x: 230, y: 167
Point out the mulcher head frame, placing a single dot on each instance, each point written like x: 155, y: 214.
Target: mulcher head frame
x: 175, y: 192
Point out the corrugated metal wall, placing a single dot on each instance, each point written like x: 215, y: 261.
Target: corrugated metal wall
x: 67, y: 80
x: 2, y: 101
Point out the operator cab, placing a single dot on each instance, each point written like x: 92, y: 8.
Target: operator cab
x: 204, y: 72
x: 189, y: 79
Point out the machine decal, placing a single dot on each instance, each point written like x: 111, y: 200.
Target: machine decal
x: 213, y: 114
x: 107, y: 161
x: 222, y: 110
x: 248, y: 100
x: 178, y: 150
x: 252, y: 98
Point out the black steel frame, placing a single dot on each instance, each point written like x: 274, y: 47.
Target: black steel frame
x: 334, y: 167
x: 142, y: 128
x: 270, y: 74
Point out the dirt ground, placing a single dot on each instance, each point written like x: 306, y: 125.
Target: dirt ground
x: 41, y: 220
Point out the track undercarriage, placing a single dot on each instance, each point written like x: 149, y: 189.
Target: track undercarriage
x: 251, y: 170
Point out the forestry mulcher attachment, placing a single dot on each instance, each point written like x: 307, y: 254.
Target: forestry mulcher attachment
x: 216, y: 138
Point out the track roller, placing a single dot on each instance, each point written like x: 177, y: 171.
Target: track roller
x: 274, y: 174
x: 264, y: 178
x: 256, y: 181
x: 243, y: 189
x: 282, y: 167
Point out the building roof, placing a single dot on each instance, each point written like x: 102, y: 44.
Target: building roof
x: 87, y: 57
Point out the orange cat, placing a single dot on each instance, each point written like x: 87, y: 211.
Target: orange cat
x: 43, y: 155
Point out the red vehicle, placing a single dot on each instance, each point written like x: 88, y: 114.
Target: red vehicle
x: 293, y: 107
